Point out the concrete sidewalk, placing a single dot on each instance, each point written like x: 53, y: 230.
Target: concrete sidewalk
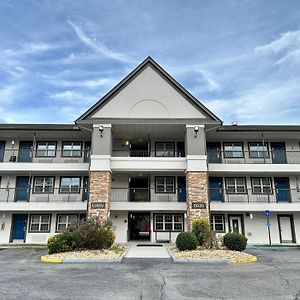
x: 142, y: 250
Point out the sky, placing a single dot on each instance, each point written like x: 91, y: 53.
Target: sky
x: 241, y: 59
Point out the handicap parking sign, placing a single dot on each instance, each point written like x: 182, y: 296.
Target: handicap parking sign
x: 267, y: 213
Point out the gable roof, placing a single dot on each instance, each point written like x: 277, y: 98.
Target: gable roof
x: 132, y: 75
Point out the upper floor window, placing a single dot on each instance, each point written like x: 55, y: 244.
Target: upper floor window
x: 164, y: 184
x: 235, y: 185
x: 70, y: 184
x: 2, y: 150
x: 258, y: 150
x: 217, y: 223
x: 261, y: 185
x: 40, y: 223
x: 64, y: 221
x: 164, y: 149
x: 46, y: 149
x: 71, y: 149
x: 43, y: 185
x: 233, y: 150
x: 168, y: 222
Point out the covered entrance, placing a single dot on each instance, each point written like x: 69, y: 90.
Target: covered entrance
x: 139, y: 226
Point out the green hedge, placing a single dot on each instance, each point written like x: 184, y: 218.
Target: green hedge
x: 235, y: 241
x: 201, y: 229
x: 186, y: 241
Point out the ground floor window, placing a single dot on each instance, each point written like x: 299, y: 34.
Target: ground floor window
x: 40, y: 223
x: 168, y: 222
x: 217, y: 223
x: 64, y: 221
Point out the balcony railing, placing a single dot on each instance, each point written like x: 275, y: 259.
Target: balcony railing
x: 148, y: 195
x: 45, y: 156
x: 46, y: 195
x: 254, y: 157
x: 146, y: 153
x: 255, y: 196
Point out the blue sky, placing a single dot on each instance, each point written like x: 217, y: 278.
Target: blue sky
x: 239, y: 58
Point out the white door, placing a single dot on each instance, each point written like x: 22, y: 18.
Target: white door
x: 236, y: 224
x: 285, y: 228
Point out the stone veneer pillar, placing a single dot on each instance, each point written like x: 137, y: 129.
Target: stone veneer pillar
x: 100, y: 192
x: 197, y: 192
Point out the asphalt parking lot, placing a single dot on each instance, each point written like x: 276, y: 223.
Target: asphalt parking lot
x: 275, y: 276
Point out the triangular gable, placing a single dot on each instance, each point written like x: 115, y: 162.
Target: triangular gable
x: 148, y: 92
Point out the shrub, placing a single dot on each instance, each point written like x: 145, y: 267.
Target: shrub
x: 59, y: 243
x: 235, y: 241
x: 201, y: 229
x: 186, y: 241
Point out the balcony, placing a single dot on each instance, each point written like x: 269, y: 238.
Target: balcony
x: 254, y: 157
x: 52, y: 195
x: 146, y: 153
x: 249, y: 196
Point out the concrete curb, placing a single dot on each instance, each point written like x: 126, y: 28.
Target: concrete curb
x: 51, y: 260
x: 244, y: 260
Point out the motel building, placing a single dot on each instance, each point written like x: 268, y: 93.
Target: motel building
x: 152, y: 158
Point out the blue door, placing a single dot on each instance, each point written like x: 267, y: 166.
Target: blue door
x: 2, y: 148
x: 278, y: 153
x: 214, y: 153
x: 181, y: 186
x: 282, y: 188
x: 22, y: 188
x: 25, y: 152
x: 215, y: 185
x: 19, y: 227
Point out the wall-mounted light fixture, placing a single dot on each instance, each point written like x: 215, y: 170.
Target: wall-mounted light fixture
x: 196, y: 129
x: 101, y: 128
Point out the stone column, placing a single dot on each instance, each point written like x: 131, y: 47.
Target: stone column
x: 197, y: 197
x: 99, y: 196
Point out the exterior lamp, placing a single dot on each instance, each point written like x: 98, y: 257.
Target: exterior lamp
x: 196, y: 129
x: 101, y: 128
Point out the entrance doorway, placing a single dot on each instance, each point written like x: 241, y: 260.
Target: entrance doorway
x: 236, y: 223
x: 139, y: 226
x: 286, y: 229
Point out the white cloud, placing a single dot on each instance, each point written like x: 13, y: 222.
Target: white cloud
x: 287, y: 46
x: 98, y: 46
x: 72, y: 96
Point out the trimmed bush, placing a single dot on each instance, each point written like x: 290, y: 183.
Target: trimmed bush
x: 201, y: 229
x: 89, y: 234
x: 186, y: 241
x: 235, y: 241
x: 59, y: 243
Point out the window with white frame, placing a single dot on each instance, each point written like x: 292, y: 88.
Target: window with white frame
x: 71, y: 149
x: 168, y: 222
x: 165, y: 149
x: 261, y: 185
x: 258, y: 150
x: 233, y: 150
x: 43, y: 185
x: 164, y: 184
x: 69, y: 185
x: 46, y: 149
x: 64, y: 221
x: 235, y: 185
x: 40, y: 223
x: 217, y: 223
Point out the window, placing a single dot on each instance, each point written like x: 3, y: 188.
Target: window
x: 165, y: 184
x: 233, y: 150
x: 217, y: 223
x: 261, y: 185
x: 40, y: 223
x: 168, y: 222
x: 258, y: 150
x: 71, y: 149
x: 70, y: 185
x: 164, y: 149
x: 43, y: 185
x: 46, y: 149
x: 64, y: 221
x: 235, y: 185
x: 2, y: 150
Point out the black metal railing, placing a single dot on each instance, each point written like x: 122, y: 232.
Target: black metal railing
x: 31, y: 155
x: 254, y: 157
x: 148, y: 195
x: 47, y: 194
x: 255, y: 195
x: 146, y: 153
